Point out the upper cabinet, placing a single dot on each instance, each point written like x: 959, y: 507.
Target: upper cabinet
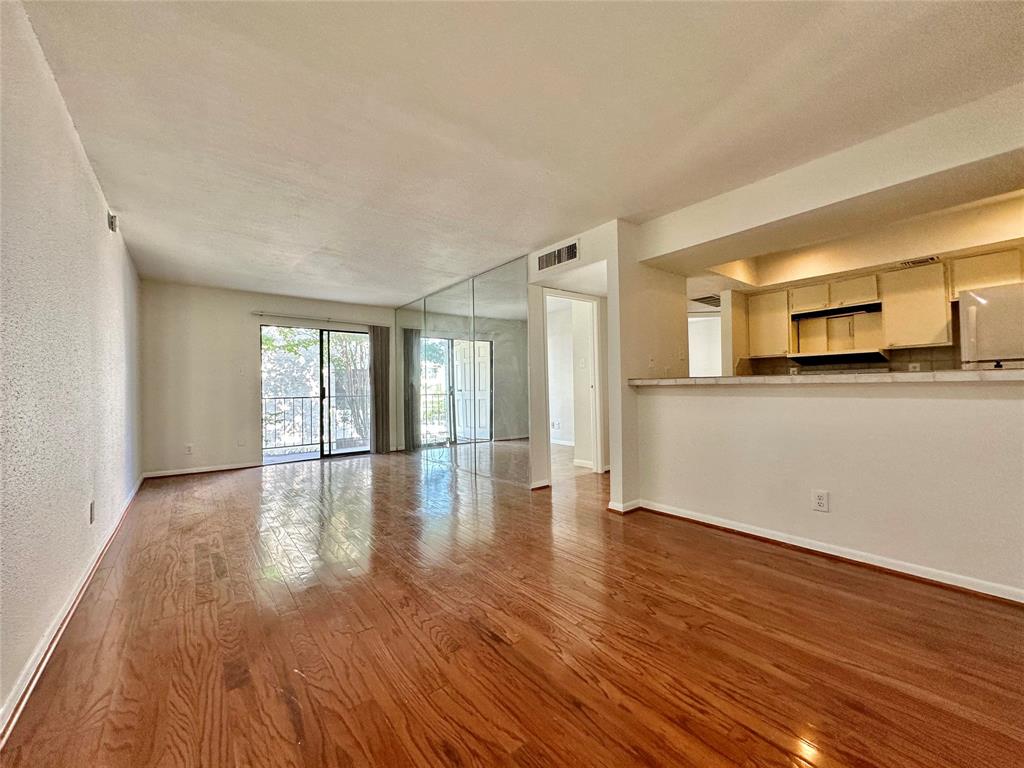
x: 915, y: 308
x: 808, y: 298
x: 768, y: 324
x: 986, y: 270
x: 855, y: 290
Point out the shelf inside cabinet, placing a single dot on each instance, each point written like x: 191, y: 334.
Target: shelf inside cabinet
x: 840, y: 357
x: 846, y: 309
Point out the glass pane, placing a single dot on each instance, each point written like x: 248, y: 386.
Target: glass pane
x: 347, y: 409
x: 290, y: 363
x: 447, y: 391
x: 501, y: 385
x: 435, y: 392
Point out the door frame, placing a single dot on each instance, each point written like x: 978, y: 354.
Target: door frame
x: 312, y: 326
x: 597, y: 394
x: 325, y: 357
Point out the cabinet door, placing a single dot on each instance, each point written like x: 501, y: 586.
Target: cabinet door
x: 856, y: 290
x: 768, y: 324
x: 915, y: 311
x: 808, y: 297
x: 811, y: 333
x: 840, y: 333
x: 986, y: 270
x: 867, y: 331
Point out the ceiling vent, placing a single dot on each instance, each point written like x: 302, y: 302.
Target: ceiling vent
x: 711, y: 301
x: 558, y: 256
x: 919, y: 262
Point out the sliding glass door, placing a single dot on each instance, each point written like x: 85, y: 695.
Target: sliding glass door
x: 347, y: 418
x: 316, y: 395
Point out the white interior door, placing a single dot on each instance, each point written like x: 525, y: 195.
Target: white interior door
x: 462, y: 368
x: 483, y: 390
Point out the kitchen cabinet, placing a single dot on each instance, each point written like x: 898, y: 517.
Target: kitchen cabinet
x: 812, y: 335
x: 840, y: 333
x: 768, y: 324
x: 856, y: 290
x: 915, y: 310
x: 867, y: 331
x: 808, y: 297
x: 986, y: 270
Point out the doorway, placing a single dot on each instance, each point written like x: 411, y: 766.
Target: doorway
x: 316, y: 395
x: 573, y: 415
x: 456, y: 399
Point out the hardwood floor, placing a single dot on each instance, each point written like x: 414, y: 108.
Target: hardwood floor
x: 390, y: 611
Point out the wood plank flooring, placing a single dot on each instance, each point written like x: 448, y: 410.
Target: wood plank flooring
x: 391, y: 611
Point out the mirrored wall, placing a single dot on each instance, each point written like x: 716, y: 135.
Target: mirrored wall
x: 462, y: 373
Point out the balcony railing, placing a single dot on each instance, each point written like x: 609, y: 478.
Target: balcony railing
x: 435, y: 418
x: 291, y: 422
x: 294, y: 422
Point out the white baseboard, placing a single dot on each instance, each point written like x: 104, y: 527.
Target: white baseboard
x: 582, y: 463
x: 567, y: 443
x: 932, y: 574
x: 33, y: 669
x: 540, y: 484
x: 625, y: 507
x: 200, y: 470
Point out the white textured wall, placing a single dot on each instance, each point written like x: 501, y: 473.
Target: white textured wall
x: 926, y: 478
x: 705, y: 345
x: 647, y: 337
x: 561, y: 420
x: 582, y: 381
x: 69, y: 356
x: 201, y: 369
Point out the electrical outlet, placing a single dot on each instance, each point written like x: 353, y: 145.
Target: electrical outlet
x: 914, y: 367
x: 188, y: 449
x: 650, y: 361
x: 92, y: 512
x: 794, y: 370
x: 819, y: 501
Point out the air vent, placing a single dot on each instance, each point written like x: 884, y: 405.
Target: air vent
x: 919, y: 262
x: 711, y: 301
x: 557, y: 256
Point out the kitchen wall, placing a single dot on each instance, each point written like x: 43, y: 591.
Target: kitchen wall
x: 925, y: 478
x: 201, y: 370
x: 69, y: 350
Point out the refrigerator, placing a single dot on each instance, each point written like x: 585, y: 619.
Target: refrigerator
x: 992, y: 327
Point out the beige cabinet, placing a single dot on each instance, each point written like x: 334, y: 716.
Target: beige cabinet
x: 915, y: 310
x: 768, y: 324
x: 812, y: 335
x: 856, y: 290
x: 867, y: 331
x: 808, y: 297
x: 986, y: 270
x: 840, y: 333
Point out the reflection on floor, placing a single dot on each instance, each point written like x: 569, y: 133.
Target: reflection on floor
x: 562, y: 466
x: 394, y: 611
x: 278, y: 457
x: 507, y: 460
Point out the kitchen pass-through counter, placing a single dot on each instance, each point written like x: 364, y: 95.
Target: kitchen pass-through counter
x: 880, y: 377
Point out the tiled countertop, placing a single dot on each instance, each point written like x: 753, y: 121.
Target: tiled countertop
x: 841, y: 378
